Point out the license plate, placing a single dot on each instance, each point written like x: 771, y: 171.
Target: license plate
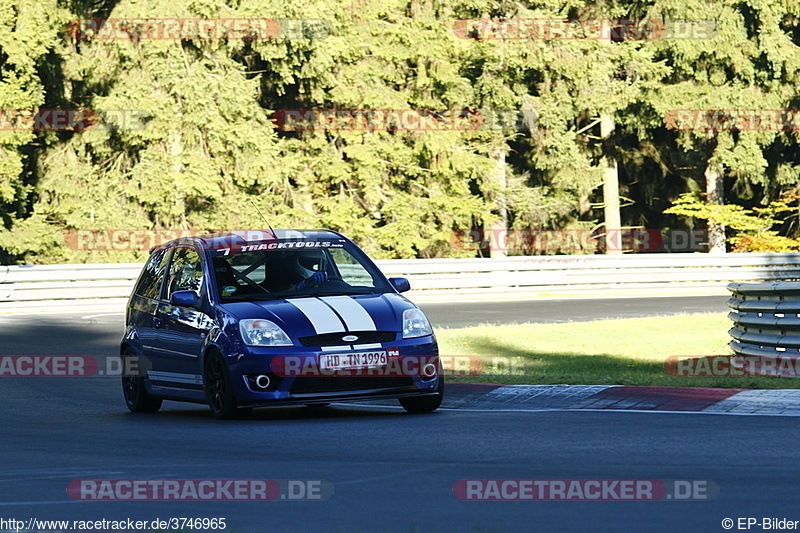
x: 342, y: 361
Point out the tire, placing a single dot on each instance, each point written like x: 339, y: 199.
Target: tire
x: 425, y: 404
x: 217, y: 385
x: 136, y: 396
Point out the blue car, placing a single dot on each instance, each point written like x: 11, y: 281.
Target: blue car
x: 276, y: 317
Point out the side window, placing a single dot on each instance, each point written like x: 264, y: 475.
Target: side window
x: 185, y: 272
x: 150, y: 280
x: 353, y: 273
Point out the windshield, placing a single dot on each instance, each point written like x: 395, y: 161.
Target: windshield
x: 268, y: 274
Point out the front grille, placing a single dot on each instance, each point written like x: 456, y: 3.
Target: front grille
x: 305, y: 385
x: 335, y: 339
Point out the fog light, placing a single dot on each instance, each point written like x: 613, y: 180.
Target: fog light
x: 428, y: 371
x: 262, y: 382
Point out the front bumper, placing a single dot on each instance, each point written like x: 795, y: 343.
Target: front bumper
x: 285, y: 389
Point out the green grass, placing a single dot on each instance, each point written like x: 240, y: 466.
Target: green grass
x: 605, y: 352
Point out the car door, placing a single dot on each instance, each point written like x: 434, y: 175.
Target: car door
x: 181, y: 330
x: 143, y: 306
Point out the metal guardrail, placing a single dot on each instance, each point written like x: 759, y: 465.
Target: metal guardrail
x: 766, y: 319
x: 39, y: 285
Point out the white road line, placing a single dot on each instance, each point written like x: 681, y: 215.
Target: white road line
x: 102, y: 314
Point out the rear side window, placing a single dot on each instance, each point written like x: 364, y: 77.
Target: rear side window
x: 185, y: 272
x: 150, y: 279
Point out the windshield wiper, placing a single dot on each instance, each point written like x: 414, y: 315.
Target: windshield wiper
x: 282, y: 296
x: 348, y: 292
x: 251, y: 297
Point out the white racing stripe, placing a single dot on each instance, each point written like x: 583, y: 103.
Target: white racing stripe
x: 320, y: 315
x: 355, y: 316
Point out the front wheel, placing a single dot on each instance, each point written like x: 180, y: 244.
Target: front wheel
x: 136, y: 396
x: 425, y: 404
x: 218, y: 388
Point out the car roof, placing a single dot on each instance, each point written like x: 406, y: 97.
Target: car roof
x: 220, y: 240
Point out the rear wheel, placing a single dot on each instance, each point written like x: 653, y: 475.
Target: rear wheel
x: 136, y: 396
x: 219, y: 392
x: 425, y: 404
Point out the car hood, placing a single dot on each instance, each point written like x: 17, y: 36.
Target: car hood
x: 301, y: 317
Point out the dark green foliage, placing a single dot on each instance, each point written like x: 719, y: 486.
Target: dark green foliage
x: 209, y: 150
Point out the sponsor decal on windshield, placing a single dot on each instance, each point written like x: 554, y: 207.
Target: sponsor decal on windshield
x: 290, y: 245
x: 236, y: 248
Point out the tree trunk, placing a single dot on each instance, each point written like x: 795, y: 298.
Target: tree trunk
x: 715, y: 195
x: 499, y: 228
x: 611, y: 214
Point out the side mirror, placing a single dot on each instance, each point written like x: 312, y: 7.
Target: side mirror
x: 400, y: 284
x: 185, y: 299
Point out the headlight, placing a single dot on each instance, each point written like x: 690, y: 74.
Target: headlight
x: 260, y: 332
x: 415, y: 324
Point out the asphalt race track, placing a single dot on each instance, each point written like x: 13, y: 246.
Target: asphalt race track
x: 388, y: 471
x: 568, y: 310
